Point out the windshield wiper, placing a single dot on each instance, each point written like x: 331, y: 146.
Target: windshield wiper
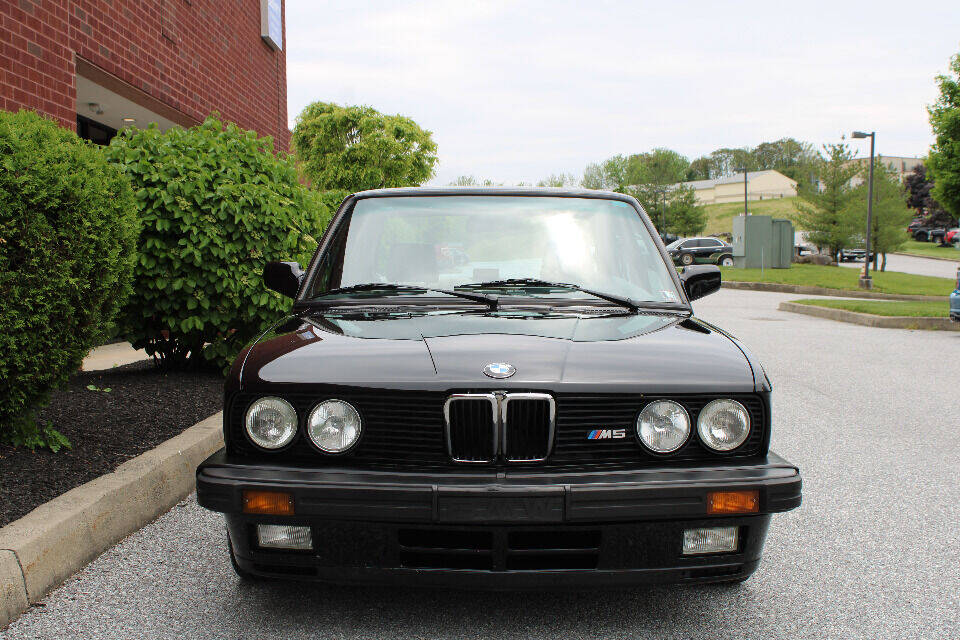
x: 490, y: 301
x: 536, y: 282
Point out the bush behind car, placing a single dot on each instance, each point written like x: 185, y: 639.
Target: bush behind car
x: 216, y: 204
x: 68, y: 230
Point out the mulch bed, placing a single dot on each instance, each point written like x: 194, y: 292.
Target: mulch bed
x: 143, y: 408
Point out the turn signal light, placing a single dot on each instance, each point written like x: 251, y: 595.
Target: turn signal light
x: 733, y: 502
x: 273, y: 503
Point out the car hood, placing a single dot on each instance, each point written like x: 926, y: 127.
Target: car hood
x: 646, y: 352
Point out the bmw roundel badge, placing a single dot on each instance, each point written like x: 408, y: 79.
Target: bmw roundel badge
x: 499, y: 370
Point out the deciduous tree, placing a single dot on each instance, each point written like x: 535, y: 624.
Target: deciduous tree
x: 609, y: 175
x: 357, y: 148
x: 561, y: 180
x: 944, y: 158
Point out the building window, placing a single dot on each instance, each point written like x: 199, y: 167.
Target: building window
x: 94, y: 131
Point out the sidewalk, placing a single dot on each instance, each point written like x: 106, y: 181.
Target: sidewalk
x: 112, y: 355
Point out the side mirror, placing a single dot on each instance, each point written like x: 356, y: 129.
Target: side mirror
x: 283, y: 277
x: 700, y: 280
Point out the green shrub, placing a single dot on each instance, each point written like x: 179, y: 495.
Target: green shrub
x: 68, y: 229
x: 216, y: 204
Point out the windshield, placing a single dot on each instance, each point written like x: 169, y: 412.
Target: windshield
x: 675, y: 244
x: 444, y: 242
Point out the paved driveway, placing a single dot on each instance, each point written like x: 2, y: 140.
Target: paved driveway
x: 874, y: 552
x: 916, y: 265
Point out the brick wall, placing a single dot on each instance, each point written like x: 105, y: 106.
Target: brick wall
x: 195, y: 56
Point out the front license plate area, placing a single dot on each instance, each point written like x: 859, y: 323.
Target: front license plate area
x: 498, y: 507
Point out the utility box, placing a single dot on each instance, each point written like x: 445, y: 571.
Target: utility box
x: 762, y: 242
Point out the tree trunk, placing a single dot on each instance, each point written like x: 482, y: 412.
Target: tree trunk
x: 883, y: 265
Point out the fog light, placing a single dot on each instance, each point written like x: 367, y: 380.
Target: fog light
x: 281, y: 536
x: 710, y: 540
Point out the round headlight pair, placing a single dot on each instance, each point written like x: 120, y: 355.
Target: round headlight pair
x: 333, y: 426
x: 663, y: 426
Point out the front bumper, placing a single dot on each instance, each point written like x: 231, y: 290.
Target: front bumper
x: 508, y: 529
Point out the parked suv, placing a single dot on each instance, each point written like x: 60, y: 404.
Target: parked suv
x: 687, y: 251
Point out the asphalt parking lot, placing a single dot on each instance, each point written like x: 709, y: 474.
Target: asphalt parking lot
x: 916, y: 265
x: 870, y: 415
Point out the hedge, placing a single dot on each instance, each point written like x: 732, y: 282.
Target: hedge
x: 68, y: 229
x: 216, y: 204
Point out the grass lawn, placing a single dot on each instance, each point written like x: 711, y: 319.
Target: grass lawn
x: 814, y: 275
x: 720, y: 216
x: 930, y: 250
x: 885, y: 308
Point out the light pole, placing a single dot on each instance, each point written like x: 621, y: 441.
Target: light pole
x: 746, y: 210
x: 865, y: 281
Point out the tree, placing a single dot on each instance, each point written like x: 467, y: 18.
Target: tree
x: 559, y: 180
x: 684, y: 216
x: 471, y: 181
x: 786, y: 155
x: 917, y: 188
x: 357, y: 148
x: 652, y: 176
x: 943, y: 161
x: 889, y: 216
x: 699, y: 169
x: 609, y: 175
x: 725, y: 162
x: 822, y: 208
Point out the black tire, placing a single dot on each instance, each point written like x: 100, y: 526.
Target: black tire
x: 725, y: 261
x: 246, y: 576
x: 921, y: 236
x: 686, y: 259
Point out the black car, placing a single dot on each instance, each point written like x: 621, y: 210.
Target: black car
x: 549, y: 414
x: 688, y: 251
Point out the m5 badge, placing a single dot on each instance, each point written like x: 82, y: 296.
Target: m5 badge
x: 607, y: 434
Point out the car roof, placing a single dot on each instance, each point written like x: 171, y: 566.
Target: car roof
x: 496, y: 191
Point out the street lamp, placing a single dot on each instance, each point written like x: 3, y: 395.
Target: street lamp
x: 865, y: 281
x: 746, y: 210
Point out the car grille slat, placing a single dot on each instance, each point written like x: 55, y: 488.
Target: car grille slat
x: 528, y: 427
x: 405, y: 430
x: 471, y: 429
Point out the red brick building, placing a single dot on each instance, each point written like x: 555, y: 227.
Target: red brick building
x: 99, y: 65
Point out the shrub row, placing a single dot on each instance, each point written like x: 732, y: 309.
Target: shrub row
x: 165, y: 232
x: 68, y: 233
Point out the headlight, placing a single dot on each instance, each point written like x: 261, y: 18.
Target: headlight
x: 334, y: 426
x: 271, y: 422
x: 663, y: 426
x: 723, y: 425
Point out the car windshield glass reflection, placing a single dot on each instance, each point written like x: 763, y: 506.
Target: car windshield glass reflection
x: 443, y: 242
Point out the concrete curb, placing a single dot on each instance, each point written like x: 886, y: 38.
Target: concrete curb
x: 52, y: 542
x: 821, y: 291
x: 916, y: 255
x: 870, y: 320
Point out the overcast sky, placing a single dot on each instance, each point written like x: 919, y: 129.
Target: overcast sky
x: 515, y: 91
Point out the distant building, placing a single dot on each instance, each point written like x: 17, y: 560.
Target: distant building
x: 900, y: 166
x: 761, y: 185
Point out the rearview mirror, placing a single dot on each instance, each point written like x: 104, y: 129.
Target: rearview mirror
x: 700, y: 280
x: 283, y: 277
